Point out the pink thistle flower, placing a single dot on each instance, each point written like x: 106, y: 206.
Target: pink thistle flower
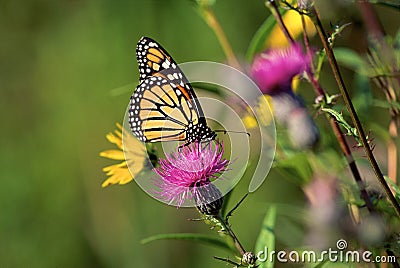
x: 188, y: 173
x: 274, y: 69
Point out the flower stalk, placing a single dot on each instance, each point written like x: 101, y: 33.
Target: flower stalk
x: 350, y: 107
x: 212, y: 21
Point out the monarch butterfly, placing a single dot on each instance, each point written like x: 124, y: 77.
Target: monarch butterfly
x: 164, y: 106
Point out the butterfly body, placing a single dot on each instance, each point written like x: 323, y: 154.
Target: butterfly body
x: 164, y: 106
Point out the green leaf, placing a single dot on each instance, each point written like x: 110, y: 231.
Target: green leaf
x: 266, y: 238
x: 386, y: 104
x: 320, y: 60
x: 351, y: 131
x: 296, y: 168
x: 123, y: 90
x: 217, y: 89
x: 205, y: 3
x: 198, y: 238
x: 363, y: 98
x: 258, y: 40
x: 350, y: 59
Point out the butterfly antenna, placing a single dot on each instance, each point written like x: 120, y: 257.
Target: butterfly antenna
x: 231, y: 131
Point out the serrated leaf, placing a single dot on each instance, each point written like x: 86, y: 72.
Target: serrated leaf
x: 258, y: 40
x: 198, y: 238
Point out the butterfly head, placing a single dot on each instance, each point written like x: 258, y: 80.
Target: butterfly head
x: 208, y: 135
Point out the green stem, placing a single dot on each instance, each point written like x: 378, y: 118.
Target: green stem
x: 347, y: 100
x: 210, y: 18
x: 230, y: 232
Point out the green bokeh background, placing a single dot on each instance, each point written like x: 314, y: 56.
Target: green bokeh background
x: 65, y: 67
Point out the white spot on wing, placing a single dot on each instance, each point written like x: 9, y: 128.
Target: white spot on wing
x: 166, y: 64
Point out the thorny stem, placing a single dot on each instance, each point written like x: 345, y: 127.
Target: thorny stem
x: 210, y: 18
x: 356, y: 121
x: 336, y: 128
x: 273, y: 7
x: 352, y: 164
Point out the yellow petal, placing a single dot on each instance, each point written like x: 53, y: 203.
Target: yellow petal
x: 136, y: 155
x: 109, y: 169
x: 125, y: 180
x: 113, y: 154
x: 295, y: 83
x: 264, y: 112
x: 249, y: 121
x: 118, y: 176
x: 292, y: 20
x: 114, y: 139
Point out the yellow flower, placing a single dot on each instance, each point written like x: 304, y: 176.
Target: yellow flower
x: 292, y: 20
x: 264, y: 113
x: 132, y: 153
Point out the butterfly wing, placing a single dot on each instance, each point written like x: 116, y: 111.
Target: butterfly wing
x: 153, y: 60
x: 164, y: 106
x: 161, y: 110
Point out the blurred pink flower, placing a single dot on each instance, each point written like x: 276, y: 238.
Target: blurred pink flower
x: 325, y: 211
x: 188, y: 173
x: 274, y: 69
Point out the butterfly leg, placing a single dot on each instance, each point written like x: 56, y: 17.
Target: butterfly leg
x: 183, y: 145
